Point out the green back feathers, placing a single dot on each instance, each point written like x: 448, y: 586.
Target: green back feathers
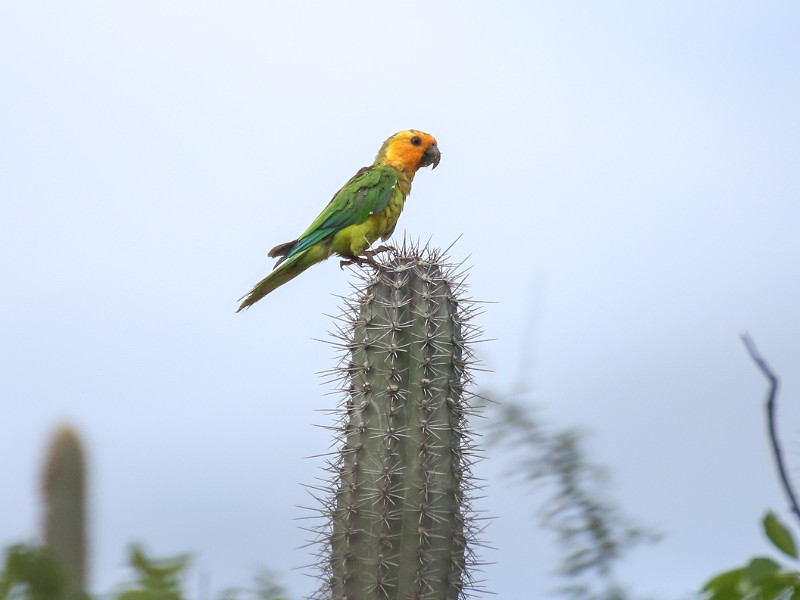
x: 368, y: 192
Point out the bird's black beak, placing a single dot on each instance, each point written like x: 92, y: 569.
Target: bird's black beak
x: 431, y: 156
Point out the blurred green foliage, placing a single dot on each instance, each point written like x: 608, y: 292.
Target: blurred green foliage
x: 592, y: 532
x: 761, y: 578
x: 31, y: 573
x: 266, y: 588
x: 156, y: 579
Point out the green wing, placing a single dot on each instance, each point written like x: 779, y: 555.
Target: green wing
x: 366, y: 193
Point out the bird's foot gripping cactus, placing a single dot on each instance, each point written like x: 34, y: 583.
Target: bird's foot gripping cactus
x: 398, y: 516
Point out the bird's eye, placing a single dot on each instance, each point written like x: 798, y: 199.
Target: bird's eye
x: 416, y: 140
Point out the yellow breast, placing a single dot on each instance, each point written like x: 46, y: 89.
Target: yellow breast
x: 353, y: 240
x: 387, y: 219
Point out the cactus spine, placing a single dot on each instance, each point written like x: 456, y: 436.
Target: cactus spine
x: 400, y: 521
x: 64, y: 494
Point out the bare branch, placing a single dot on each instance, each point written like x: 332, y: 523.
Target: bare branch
x: 772, y: 396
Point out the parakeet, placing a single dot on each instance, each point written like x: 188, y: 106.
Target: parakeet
x: 365, y: 209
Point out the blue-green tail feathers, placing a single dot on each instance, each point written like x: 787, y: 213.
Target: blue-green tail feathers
x: 286, y: 270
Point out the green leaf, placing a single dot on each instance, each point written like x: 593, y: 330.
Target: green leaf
x: 724, y: 581
x: 776, y: 590
x: 779, y: 535
x: 762, y: 569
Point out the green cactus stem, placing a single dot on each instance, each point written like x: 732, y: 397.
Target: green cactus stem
x: 401, y: 523
x: 64, y: 495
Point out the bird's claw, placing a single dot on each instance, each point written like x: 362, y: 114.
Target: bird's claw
x: 381, y: 249
x: 364, y: 259
x: 367, y: 257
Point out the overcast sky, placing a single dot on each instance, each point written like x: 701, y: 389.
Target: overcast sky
x: 624, y: 176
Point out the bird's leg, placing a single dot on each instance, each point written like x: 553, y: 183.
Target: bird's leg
x: 347, y: 262
x: 368, y: 256
x: 356, y: 260
x: 364, y: 259
x: 380, y: 250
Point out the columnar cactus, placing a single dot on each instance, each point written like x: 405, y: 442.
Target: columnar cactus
x: 400, y: 521
x: 64, y: 495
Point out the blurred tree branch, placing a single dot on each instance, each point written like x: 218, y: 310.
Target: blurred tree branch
x: 761, y: 577
x: 592, y: 532
x: 771, y: 404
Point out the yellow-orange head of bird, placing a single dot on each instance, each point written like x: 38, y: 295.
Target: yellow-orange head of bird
x: 409, y: 150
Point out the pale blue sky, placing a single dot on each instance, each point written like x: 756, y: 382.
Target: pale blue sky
x: 625, y: 177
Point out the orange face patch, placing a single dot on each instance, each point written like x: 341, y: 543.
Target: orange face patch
x: 402, y: 153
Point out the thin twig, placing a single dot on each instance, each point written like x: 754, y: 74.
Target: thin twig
x: 772, y: 396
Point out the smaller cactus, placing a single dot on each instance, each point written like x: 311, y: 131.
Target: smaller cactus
x: 399, y: 520
x: 64, y: 495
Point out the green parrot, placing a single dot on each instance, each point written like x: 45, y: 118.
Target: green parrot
x: 365, y: 209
